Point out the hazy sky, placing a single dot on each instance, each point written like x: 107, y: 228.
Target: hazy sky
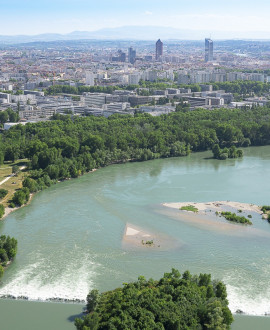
x: 64, y: 16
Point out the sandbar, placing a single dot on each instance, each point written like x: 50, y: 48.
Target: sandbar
x: 135, y: 237
x: 216, y: 206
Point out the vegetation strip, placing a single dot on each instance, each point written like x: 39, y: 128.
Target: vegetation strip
x: 235, y: 218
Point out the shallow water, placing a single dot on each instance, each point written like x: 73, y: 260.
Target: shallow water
x: 70, y: 236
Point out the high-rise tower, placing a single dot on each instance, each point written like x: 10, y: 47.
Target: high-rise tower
x: 208, y: 50
x: 131, y: 55
x: 159, y: 49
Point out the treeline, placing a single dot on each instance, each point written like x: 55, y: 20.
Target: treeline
x: 65, y: 89
x: 8, y: 250
x: 243, y: 87
x: 174, y: 302
x: 67, y: 147
x: 58, y: 89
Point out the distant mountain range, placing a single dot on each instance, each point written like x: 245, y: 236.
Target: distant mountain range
x: 133, y: 33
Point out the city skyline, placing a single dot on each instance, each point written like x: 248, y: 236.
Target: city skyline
x: 60, y: 16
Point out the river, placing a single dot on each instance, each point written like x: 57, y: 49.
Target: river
x: 70, y: 236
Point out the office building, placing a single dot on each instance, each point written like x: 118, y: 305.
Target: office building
x: 159, y: 49
x: 131, y: 55
x: 208, y: 50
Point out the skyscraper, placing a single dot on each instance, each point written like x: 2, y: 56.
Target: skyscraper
x: 159, y: 49
x: 131, y: 55
x: 208, y: 50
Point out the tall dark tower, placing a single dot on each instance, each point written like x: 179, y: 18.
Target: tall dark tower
x: 209, y: 49
x: 159, y: 49
x: 131, y: 55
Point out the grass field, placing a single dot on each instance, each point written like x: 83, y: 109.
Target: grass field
x: 13, y: 183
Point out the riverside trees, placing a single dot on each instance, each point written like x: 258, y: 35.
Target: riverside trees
x: 8, y: 250
x: 225, y: 153
x: 173, y: 302
x: 65, y: 147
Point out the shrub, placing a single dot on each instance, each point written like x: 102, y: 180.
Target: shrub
x: 3, y: 193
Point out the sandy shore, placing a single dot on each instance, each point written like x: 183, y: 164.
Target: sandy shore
x: 9, y: 210
x: 216, y: 206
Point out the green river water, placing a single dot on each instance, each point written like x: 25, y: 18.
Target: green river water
x: 70, y: 237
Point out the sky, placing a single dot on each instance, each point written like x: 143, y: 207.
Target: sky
x: 33, y: 17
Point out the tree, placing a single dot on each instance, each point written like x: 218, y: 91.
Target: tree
x: 3, y: 117
x: 21, y: 196
x: 216, y: 151
x: 15, y: 169
x: 30, y: 184
x: 2, y: 157
x: 3, y: 193
x: 92, y: 300
x: 1, y: 271
x: 2, y: 210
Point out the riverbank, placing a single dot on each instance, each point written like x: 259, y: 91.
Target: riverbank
x: 9, y: 210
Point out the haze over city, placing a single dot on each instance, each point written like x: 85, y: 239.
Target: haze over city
x: 230, y: 19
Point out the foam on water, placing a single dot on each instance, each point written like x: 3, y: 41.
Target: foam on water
x: 241, y: 299
x: 251, y: 295
x: 35, y: 283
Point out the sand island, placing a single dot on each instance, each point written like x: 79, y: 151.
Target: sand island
x: 135, y: 237
x: 229, y: 210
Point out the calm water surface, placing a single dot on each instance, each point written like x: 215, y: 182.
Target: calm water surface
x: 70, y: 236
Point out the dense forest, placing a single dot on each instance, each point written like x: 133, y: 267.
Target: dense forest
x: 69, y: 146
x: 8, y: 250
x: 173, y: 302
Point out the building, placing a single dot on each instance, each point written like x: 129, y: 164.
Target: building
x: 89, y: 78
x: 95, y: 99
x: 131, y: 55
x: 121, y: 56
x: 159, y: 49
x: 209, y: 49
x: 134, y: 78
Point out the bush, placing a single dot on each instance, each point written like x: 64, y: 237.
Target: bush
x: 235, y: 218
x: 21, y: 196
x: 189, y: 208
x: 265, y: 208
x: 3, y: 193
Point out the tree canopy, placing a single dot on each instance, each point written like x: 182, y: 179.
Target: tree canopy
x: 8, y: 250
x: 173, y: 302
